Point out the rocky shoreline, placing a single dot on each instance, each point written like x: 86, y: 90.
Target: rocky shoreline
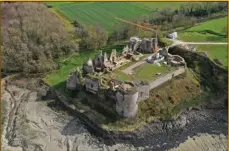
x: 155, y: 134
x: 189, y: 123
x: 44, y: 124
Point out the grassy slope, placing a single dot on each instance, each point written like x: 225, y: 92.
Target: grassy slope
x: 166, y: 101
x: 103, y: 13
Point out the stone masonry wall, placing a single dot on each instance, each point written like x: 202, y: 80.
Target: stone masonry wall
x: 143, y: 91
x: 126, y: 104
x: 92, y: 85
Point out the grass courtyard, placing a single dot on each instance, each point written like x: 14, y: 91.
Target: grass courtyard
x: 146, y: 71
x: 149, y: 71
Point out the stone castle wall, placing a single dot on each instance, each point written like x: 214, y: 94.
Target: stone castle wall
x: 92, y: 85
x: 143, y: 92
x: 126, y: 101
x: 74, y: 81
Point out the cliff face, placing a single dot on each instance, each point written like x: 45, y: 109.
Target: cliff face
x: 215, y: 76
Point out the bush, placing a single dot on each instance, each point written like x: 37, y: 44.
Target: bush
x: 92, y: 37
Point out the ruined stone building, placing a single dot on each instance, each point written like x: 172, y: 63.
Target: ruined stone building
x: 103, y: 62
x: 145, y: 45
x: 125, y: 94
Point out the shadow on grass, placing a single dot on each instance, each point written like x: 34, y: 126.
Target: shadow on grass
x: 214, y: 36
x: 60, y: 85
x: 212, y: 32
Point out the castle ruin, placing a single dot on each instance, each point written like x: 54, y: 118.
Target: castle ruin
x: 126, y: 94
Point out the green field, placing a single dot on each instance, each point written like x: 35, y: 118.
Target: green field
x: 103, y: 13
x: 215, y: 26
x: 216, y: 51
x: 211, y: 31
x: 200, y: 37
x: 57, y: 77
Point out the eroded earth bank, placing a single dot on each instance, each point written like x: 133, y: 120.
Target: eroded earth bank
x: 35, y: 123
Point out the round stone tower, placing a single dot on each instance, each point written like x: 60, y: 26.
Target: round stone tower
x: 126, y: 100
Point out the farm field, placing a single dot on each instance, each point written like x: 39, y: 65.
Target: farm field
x: 215, y: 26
x: 211, y: 31
x: 200, y: 37
x: 103, y: 13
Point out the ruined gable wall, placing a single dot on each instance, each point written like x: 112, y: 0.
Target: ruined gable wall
x: 88, y: 69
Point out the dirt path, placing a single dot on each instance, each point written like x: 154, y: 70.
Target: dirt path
x: 129, y: 69
x: 179, y: 42
x: 164, y: 78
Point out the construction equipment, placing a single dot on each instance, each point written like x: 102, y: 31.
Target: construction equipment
x: 155, y: 47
